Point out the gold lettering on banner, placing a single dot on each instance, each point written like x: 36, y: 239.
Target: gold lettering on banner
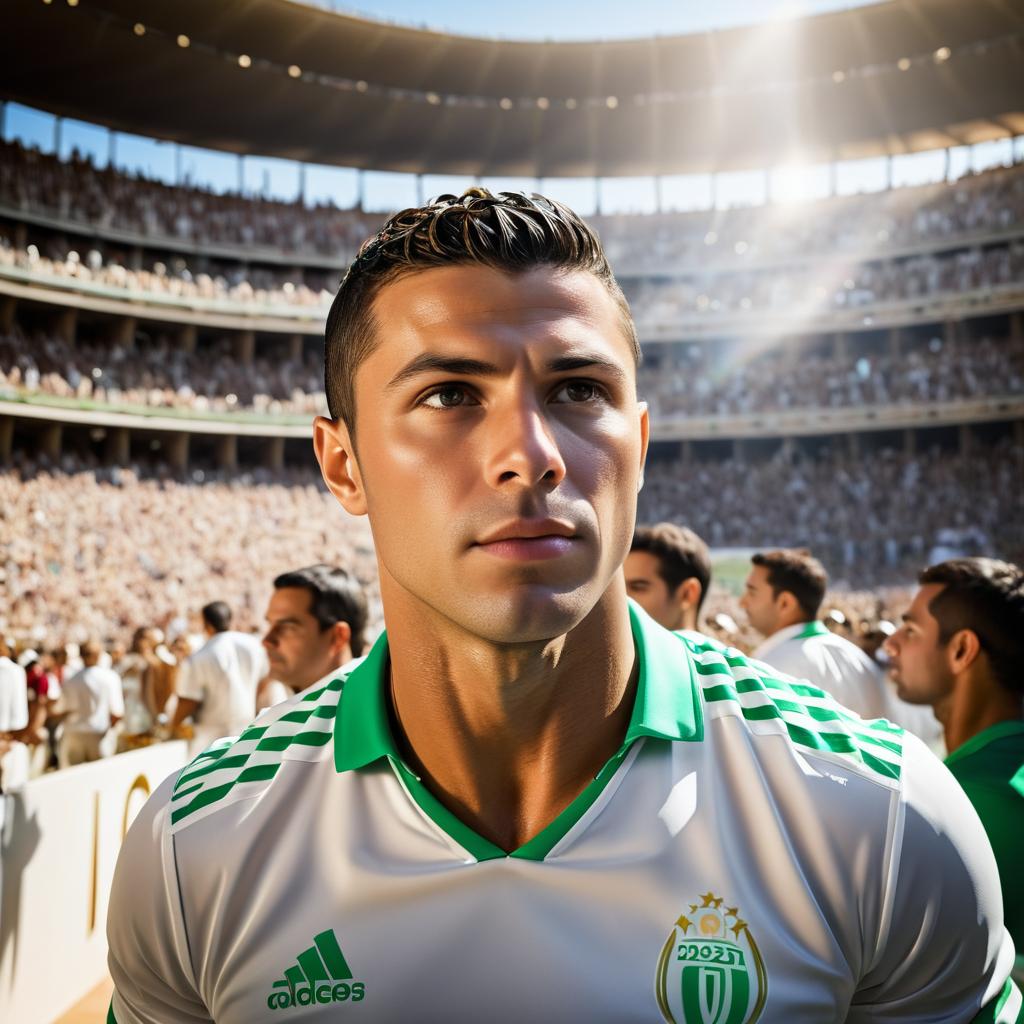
x: 95, y: 860
x: 141, y: 783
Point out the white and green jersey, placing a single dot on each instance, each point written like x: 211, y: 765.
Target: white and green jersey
x: 753, y: 852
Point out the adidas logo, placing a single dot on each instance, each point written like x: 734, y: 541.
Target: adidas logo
x: 321, y: 975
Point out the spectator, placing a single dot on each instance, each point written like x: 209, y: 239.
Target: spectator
x: 668, y: 572
x: 90, y: 706
x: 218, y: 684
x: 961, y: 650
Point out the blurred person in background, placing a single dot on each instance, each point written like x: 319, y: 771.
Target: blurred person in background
x: 13, y: 723
x: 90, y: 705
x: 960, y: 649
x: 316, y: 621
x: 668, y: 572
x: 217, y: 685
x: 782, y: 596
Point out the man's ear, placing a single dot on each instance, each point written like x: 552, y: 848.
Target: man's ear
x: 962, y: 650
x: 336, y: 455
x: 341, y: 636
x: 645, y: 436
x: 689, y: 593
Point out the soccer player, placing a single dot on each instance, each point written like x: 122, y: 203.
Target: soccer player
x: 782, y: 597
x: 316, y: 619
x: 960, y: 649
x: 529, y: 801
x: 668, y: 571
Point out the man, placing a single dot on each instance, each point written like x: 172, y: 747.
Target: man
x: 13, y: 724
x: 668, y: 571
x: 960, y: 649
x: 217, y: 685
x: 529, y: 801
x: 782, y: 596
x: 316, y: 619
x: 90, y: 705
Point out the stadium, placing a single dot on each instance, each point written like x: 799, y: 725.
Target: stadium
x: 818, y: 224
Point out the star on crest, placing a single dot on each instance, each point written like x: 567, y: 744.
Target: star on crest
x: 685, y: 923
x: 732, y: 911
x: 708, y: 898
x: 694, y: 907
x: 738, y: 927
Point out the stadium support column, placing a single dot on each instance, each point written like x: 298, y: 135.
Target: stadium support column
x: 950, y: 332
x: 841, y: 345
x: 123, y: 335
x: 187, y: 338
x: 853, y: 445
x: 895, y: 342
x: 245, y: 347
x: 274, y: 454
x: 419, y: 190
x: 1016, y: 326
x: 176, y: 447
x: 360, y: 190
x: 739, y: 451
x: 6, y: 439
x: 119, y: 446
x: 302, y: 184
x: 65, y: 325
x: 58, y: 135
x: 227, y: 452
x: 8, y: 305
x: 1018, y: 432
x: 50, y: 442
x: 295, y: 348
x: 909, y: 443
x: 111, y: 148
x: 965, y: 437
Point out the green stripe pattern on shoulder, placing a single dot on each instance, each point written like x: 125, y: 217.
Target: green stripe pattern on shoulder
x: 256, y: 755
x: 769, y: 701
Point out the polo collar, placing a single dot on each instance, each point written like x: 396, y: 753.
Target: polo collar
x: 798, y: 631
x: 666, y: 705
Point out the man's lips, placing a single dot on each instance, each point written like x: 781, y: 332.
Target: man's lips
x: 524, y: 540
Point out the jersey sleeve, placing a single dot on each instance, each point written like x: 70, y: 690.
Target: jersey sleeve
x: 149, y: 956
x: 942, y: 955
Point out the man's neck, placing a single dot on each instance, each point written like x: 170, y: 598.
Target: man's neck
x: 973, y: 707
x: 506, y: 736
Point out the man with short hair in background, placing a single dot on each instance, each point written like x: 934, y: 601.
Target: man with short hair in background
x: 668, y: 571
x: 316, y: 619
x: 91, y: 704
x: 782, y: 596
x: 217, y: 685
x: 960, y: 650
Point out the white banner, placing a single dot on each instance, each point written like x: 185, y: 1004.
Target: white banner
x: 58, y: 847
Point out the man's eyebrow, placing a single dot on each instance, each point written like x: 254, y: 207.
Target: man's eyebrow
x: 428, y: 362
x: 907, y: 617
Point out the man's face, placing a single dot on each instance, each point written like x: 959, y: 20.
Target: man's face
x: 499, y: 447
x: 759, y: 602
x: 299, y: 652
x: 919, y: 665
x: 645, y: 585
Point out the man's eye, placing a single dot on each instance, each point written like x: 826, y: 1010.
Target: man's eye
x: 448, y: 396
x: 578, y: 391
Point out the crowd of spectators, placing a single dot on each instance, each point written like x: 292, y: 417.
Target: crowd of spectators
x: 159, y: 372
x: 869, y: 517
x: 98, y: 553
x: 701, y: 380
x: 680, y: 380
x: 76, y: 190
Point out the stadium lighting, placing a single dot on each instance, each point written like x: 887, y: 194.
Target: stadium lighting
x: 433, y: 99
x: 838, y: 77
x: 184, y: 41
x: 72, y: 3
x: 942, y: 53
x: 505, y: 103
x: 47, y: 2
x: 294, y: 71
x: 362, y: 86
x: 570, y: 104
x: 543, y: 102
x: 612, y: 102
x: 903, y: 63
x: 244, y: 60
x: 139, y: 29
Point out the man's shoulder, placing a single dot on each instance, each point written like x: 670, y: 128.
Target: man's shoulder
x: 300, y: 729
x: 766, y: 701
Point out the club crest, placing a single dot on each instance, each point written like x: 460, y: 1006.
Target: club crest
x: 710, y: 970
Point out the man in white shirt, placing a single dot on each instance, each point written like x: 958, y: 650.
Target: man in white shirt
x: 316, y: 619
x: 218, y: 684
x: 91, y: 703
x: 782, y: 597
x: 668, y: 572
x: 530, y: 802
x: 13, y: 719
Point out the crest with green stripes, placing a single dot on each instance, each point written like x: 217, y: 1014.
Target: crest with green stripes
x: 238, y: 766
x: 769, y: 701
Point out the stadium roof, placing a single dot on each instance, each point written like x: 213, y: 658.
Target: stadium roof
x: 278, y: 78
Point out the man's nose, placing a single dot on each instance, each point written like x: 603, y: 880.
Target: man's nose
x: 524, y: 448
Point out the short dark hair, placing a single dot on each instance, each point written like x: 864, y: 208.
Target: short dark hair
x: 336, y: 596
x: 509, y: 231
x: 986, y: 596
x: 217, y: 615
x: 681, y: 555
x: 798, y: 572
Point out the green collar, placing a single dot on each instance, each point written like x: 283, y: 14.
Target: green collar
x: 666, y: 704
x: 1012, y: 727
x: 812, y: 629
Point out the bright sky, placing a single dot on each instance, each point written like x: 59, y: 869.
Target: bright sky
x: 523, y: 19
